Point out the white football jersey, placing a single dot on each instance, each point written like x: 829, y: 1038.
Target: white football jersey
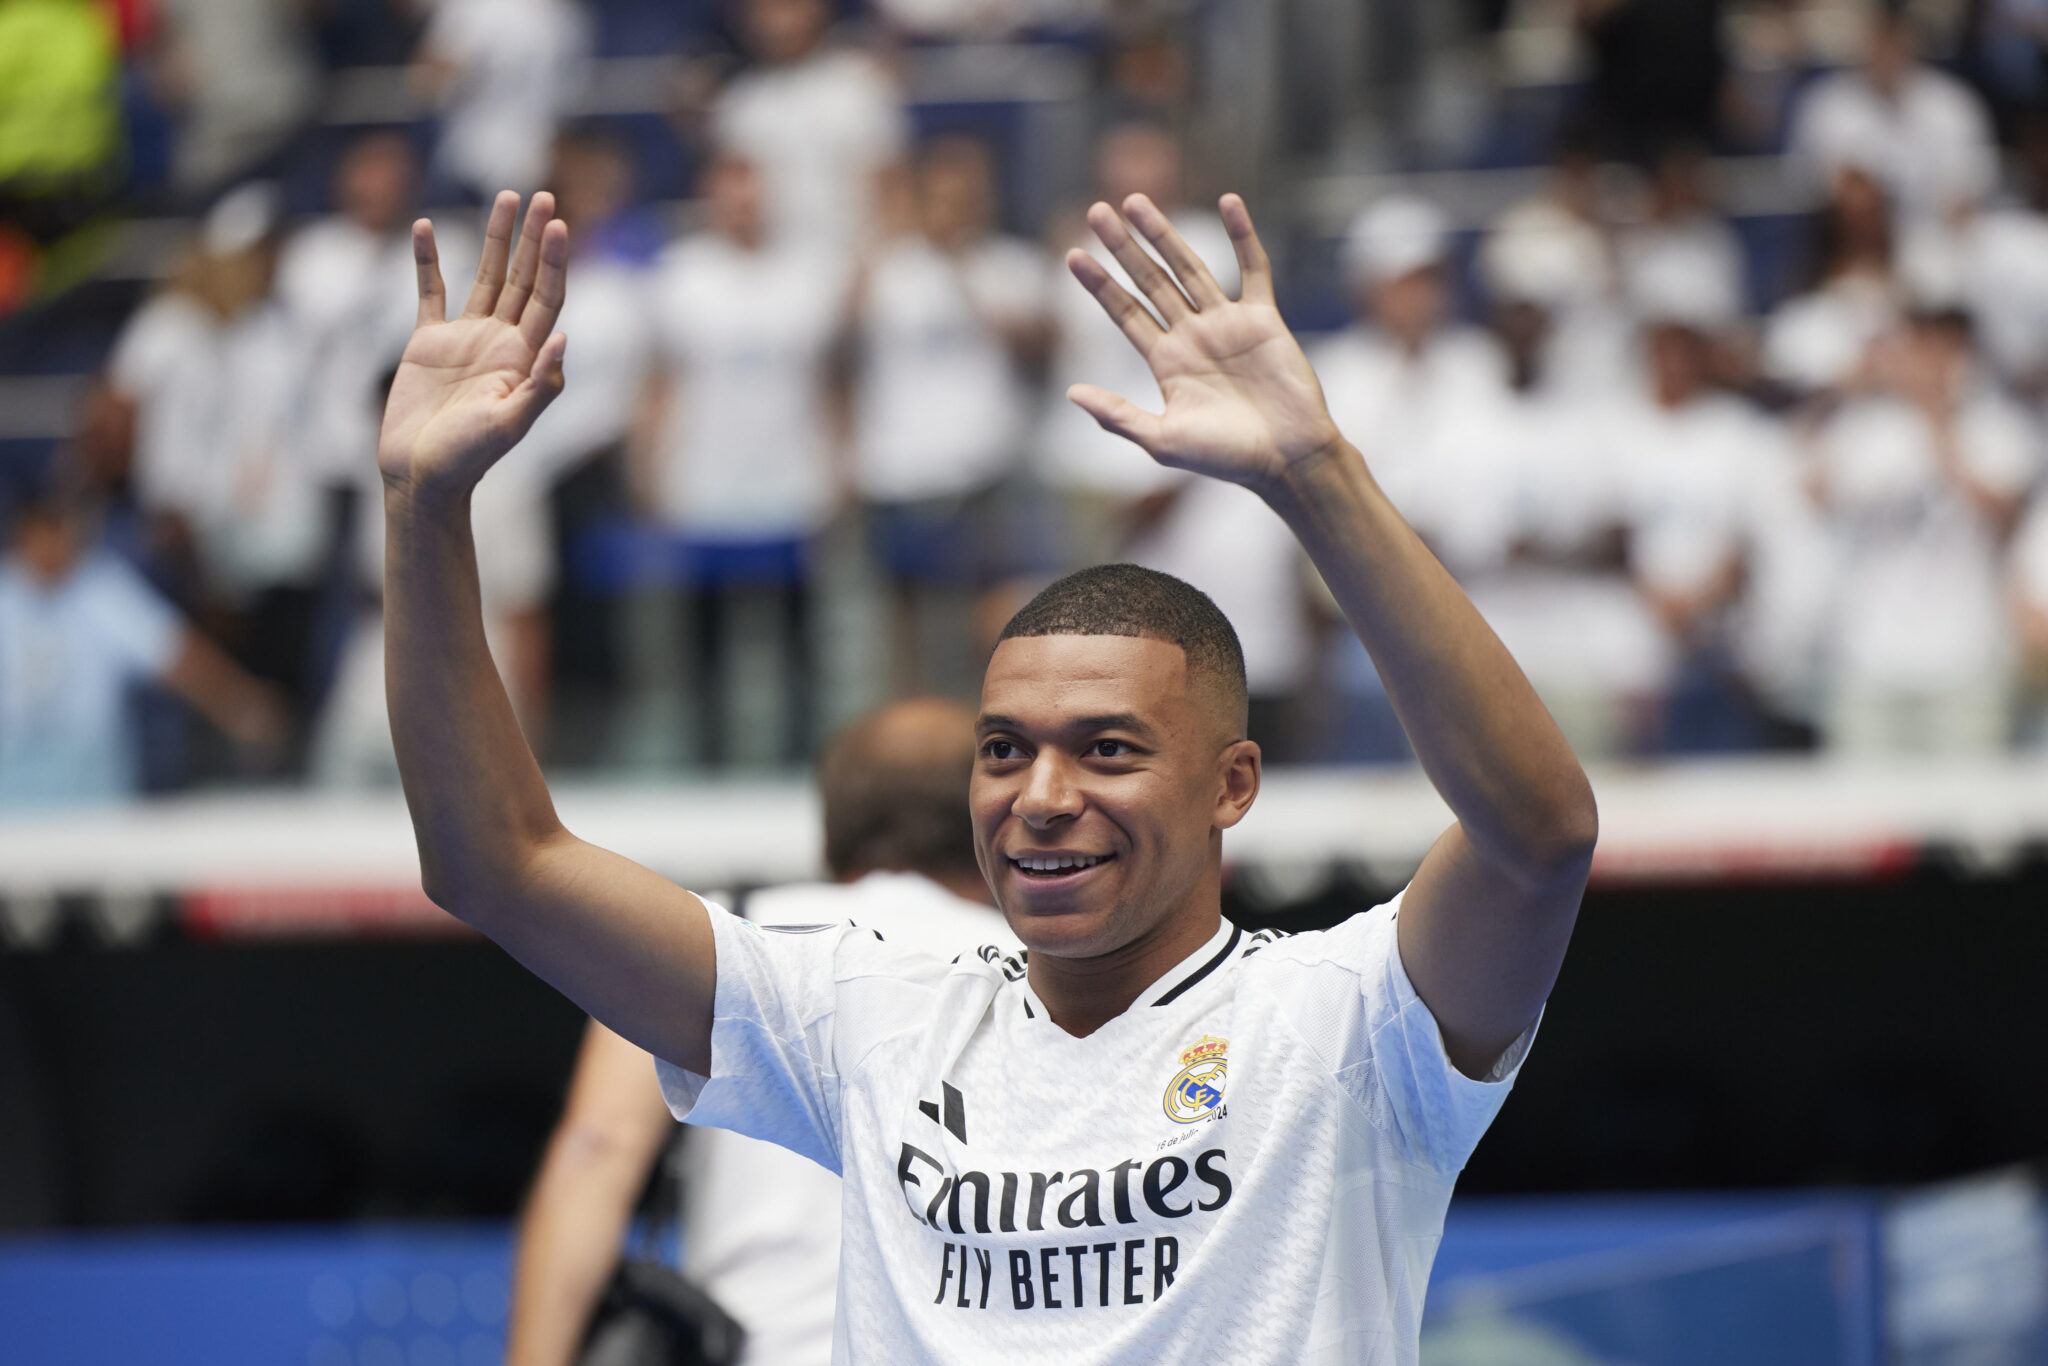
x: 1250, y: 1164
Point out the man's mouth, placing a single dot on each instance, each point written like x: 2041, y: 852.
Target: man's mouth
x: 1054, y: 867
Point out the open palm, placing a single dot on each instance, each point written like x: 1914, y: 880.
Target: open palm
x: 1241, y: 401
x: 468, y: 389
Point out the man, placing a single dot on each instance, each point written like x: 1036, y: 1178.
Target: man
x: 763, y: 1233
x: 1022, y: 1139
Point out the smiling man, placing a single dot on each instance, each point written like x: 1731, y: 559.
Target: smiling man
x: 1151, y: 1137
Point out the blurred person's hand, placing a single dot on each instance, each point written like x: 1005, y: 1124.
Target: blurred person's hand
x: 468, y: 389
x: 1242, y: 403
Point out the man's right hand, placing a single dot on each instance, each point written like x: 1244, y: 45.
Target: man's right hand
x: 467, y: 390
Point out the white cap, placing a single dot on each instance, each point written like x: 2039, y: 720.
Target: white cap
x: 1932, y: 272
x: 1393, y: 237
x: 240, y: 219
x: 1542, y: 255
x: 1673, y: 282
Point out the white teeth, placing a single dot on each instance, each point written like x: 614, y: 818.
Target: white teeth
x: 1052, y: 863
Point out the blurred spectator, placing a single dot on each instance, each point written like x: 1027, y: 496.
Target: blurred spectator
x: 1555, y: 245
x: 1721, y: 542
x: 213, y: 376
x: 1658, y: 69
x: 504, y: 73
x: 1393, y: 380
x: 239, y: 76
x: 1100, y: 477
x: 739, y: 460
x: 2030, y: 594
x: 1923, y: 134
x: 2004, y: 252
x: 819, y: 121
x: 78, y: 629
x: 1815, y: 342
x: 346, y: 282
x: 1682, y: 232
x: 1923, y: 475
x: 948, y: 312
x: 60, y: 118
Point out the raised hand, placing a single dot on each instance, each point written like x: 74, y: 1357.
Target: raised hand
x: 1242, y: 403
x: 467, y: 390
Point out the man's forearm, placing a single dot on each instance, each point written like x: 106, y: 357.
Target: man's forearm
x: 1477, y: 727
x: 479, y: 804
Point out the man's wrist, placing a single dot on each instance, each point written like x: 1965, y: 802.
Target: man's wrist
x: 1305, y: 480
x: 425, y: 501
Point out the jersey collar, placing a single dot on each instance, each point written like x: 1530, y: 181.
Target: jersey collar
x: 1176, y: 981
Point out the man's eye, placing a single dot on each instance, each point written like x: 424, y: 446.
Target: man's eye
x: 999, y: 749
x: 1110, y: 749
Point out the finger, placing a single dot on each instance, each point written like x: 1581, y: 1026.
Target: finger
x: 1255, y: 272
x: 426, y: 262
x: 549, y: 286
x: 490, y: 267
x: 1137, y: 323
x: 543, y: 381
x: 1119, y: 415
x: 525, y: 259
x: 1189, y: 269
x: 1145, y: 272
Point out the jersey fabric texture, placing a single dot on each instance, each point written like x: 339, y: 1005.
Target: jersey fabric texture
x: 1250, y: 1164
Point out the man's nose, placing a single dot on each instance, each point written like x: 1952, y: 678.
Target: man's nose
x: 1049, y: 794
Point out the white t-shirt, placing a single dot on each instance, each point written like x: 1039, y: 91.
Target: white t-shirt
x: 1016, y: 1194
x: 68, y: 653
x: 1931, y: 147
x: 1921, y: 603
x: 218, y: 436
x: 940, y: 407
x: 1817, y: 340
x: 518, y: 64
x: 744, y: 451
x: 2030, y: 557
x: 1075, y: 454
x: 2005, y: 279
x: 762, y: 1230
x: 610, y: 328
x: 819, y: 130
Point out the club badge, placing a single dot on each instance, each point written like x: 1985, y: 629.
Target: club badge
x: 1197, y: 1089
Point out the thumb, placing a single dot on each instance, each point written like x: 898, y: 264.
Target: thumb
x: 1119, y: 415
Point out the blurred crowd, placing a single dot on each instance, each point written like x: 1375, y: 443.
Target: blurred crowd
x: 814, y: 442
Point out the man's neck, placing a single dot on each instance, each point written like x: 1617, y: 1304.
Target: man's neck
x: 1084, y: 994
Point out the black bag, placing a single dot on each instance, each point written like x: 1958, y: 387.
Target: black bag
x: 651, y: 1315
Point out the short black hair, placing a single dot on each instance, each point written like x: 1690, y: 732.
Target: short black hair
x: 1130, y: 600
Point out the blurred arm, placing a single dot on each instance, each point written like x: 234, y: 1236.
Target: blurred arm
x: 611, y: 1133
x: 246, y: 709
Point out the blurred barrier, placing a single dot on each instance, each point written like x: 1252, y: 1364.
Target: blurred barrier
x: 284, y: 862
x: 1676, y: 1281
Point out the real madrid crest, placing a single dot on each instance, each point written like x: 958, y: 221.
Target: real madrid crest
x: 1197, y: 1089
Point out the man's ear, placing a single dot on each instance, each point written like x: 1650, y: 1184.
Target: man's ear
x: 1240, y: 765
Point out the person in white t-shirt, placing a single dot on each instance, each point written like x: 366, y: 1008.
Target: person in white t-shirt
x: 740, y: 459
x: 821, y: 122
x: 947, y: 311
x: 1100, y: 481
x: 1149, y: 1136
x: 505, y: 73
x: 79, y: 628
x: 1395, y: 379
x: 1924, y: 134
x: 1923, y: 476
x: 1814, y: 343
x: 762, y: 1235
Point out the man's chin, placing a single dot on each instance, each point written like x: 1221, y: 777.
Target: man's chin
x: 1063, y: 931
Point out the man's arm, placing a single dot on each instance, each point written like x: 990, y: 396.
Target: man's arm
x: 1485, y: 922
x: 247, y: 710
x: 610, y: 1135
x: 631, y: 948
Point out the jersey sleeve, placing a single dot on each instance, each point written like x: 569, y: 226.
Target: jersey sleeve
x: 1354, y: 1003
x: 782, y: 1036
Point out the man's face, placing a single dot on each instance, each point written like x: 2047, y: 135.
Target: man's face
x: 1101, y: 754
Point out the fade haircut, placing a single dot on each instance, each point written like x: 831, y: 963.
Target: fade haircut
x: 1129, y: 600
